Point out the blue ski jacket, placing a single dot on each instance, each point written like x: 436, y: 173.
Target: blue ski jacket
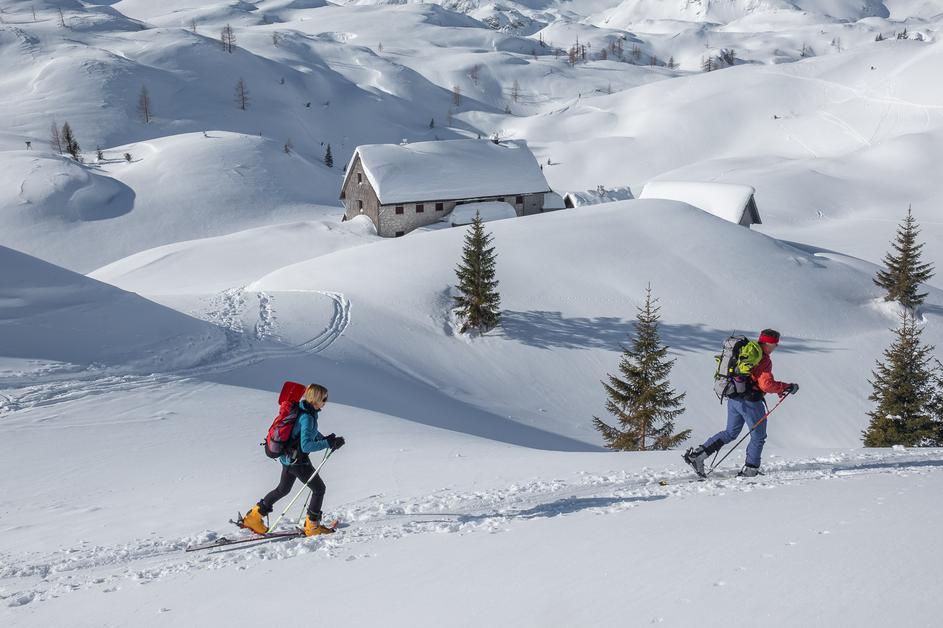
x: 307, y: 434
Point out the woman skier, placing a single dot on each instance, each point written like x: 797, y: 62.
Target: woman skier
x: 305, y: 438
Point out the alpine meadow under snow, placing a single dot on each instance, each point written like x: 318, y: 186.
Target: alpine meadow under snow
x: 159, y: 286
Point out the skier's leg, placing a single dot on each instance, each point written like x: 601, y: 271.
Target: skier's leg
x: 285, y: 482
x: 317, y: 490
x: 317, y: 497
x: 697, y: 457
x: 754, y: 412
x: 734, y: 425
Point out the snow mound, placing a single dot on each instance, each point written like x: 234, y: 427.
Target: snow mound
x: 465, y: 213
x: 215, y: 264
x: 53, y: 188
x: 84, y: 216
x: 50, y: 313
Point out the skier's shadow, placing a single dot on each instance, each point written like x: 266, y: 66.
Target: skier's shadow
x: 564, y: 506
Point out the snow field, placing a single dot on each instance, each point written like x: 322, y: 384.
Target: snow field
x: 472, y: 483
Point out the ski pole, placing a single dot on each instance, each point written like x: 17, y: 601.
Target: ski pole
x: 304, y: 509
x: 755, y: 425
x: 298, y: 494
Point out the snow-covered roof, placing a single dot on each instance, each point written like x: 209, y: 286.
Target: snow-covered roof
x: 599, y: 195
x: 488, y: 210
x: 729, y: 201
x: 449, y: 170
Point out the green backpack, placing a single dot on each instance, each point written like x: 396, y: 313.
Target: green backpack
x: 736, y: 361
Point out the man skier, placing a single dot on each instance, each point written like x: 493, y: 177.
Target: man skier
x: 747, y: 407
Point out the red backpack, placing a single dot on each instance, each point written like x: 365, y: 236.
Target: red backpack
x: 278, y: 439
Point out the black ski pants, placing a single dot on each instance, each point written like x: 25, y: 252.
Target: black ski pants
x: 301, y: 471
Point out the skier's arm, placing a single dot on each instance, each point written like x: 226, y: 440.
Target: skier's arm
x: 311, y: 438
x: 765, y: 380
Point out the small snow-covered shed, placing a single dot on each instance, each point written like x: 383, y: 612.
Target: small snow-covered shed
x: 404, y: 186
x: 729, y: 201
x: 594, y: 197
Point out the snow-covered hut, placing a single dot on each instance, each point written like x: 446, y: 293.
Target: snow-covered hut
x: 594, y: 197
x: 729, y: 201
x: 404, y: 186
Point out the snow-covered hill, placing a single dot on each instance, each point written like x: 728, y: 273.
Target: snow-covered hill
x: 473, y: 487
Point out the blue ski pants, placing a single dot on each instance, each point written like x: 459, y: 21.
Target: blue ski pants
x: 740, y: 411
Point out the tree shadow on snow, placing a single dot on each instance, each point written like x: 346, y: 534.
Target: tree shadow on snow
x: 551, y: 330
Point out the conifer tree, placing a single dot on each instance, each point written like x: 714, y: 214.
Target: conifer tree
x: 69, y: 143
x: 936, y: 405
x: 144, y: 104
x: 242, y: 94
x: 640, y: 396
x: 228, y: 38
x: 328, y: 157
x: 55, y: 139
x: 903, y: 393
x: 479, y: 302
x: 905, y: 271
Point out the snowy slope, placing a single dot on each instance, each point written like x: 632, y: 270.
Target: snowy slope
x: 569, y: 303
x: 48, y: 313
x: 473, y: 485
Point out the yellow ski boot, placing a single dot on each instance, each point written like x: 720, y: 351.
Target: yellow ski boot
x: 313, y: 527
x: 254, y: 521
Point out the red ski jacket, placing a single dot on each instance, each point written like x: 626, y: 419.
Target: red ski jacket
x: 762, y: 374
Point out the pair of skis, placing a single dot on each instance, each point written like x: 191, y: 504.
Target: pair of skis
x: 225, y: 541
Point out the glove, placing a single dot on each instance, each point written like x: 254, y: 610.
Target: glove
x: 334, y: 442
x: 791, y: 389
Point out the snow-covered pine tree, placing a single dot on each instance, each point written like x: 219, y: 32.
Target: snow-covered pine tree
x: 903, y: 393
x: 478, y: 304
x: 69, y: 143
x: 936, y: 404
x: 640, y: 396
x: 328, y: 157
x: 905, y: 271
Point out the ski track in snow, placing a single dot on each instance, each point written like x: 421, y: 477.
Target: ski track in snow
x: 35, y: 577
x: 60, y: 383
x: 339, y: 321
